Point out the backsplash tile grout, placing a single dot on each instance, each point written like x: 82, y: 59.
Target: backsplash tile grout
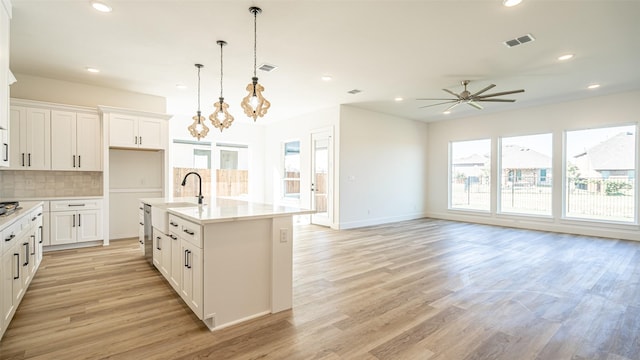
x: 18, y: 184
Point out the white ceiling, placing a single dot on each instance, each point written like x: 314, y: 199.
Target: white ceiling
x: 411, y: 49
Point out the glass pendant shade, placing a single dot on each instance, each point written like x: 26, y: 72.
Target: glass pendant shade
x: 221, y: 118
x: 254, y: 104
x: 198, y: 129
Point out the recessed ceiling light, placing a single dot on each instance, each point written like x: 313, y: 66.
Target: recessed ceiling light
x: 398, y: 99
x: 181, y: 87
x: 100, y: 6
x: 593, y: 86
x: 326, y: 77
x: 93, y: 70
x: 510, y: 3
x: 565, y: 57
x: 447, y: 112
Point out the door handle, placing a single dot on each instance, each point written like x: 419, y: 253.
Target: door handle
x: 29, y: 157
x: 79, y: 161
x: 313, y: 187
x: 41, y: 235
x: 79, y: 220
x: 17, y: 266
x: 74, y: 161
x: 158, y: 242
x: 33, y: 251
x: 74, y: 220
x: 22, y: 155
x: 26, y: 254
x: 6, y: 152
x: 136, y: 140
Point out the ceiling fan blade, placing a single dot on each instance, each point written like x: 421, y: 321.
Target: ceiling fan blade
x: 501, y: 93
x: 452, y: 93
x: 483, y: 90
x: 437, y: 99
x: 496, y: 100
x: 452, y: 106
x: 475, y: 105
x: 446, y: 102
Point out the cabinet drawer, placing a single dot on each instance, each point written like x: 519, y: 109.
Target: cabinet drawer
x: 186, y: 230
x: 10, y: 234
x: 81, y: 204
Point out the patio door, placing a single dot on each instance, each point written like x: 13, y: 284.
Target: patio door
x: 322, y: 177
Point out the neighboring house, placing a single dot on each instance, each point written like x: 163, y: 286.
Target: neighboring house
x: 473, y: 168
x: 522, y: 166
x: 609, y: 159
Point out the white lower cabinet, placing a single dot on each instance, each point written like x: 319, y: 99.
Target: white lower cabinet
x: 19, y: 260
x: 180, y: 261
x: 74, y: 221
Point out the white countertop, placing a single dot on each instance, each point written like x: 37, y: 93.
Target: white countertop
x: 24, y: 208
x: 219, y: 210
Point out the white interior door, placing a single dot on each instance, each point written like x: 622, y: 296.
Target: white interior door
x: 322, y: 177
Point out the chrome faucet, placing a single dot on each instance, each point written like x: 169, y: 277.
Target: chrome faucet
x: 184, y: 182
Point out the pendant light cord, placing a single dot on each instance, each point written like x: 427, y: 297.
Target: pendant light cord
x: 199, y: 92
x: 255, y: 35
x: 221, y: 45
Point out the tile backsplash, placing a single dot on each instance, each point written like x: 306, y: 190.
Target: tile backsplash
x: 17, y: 184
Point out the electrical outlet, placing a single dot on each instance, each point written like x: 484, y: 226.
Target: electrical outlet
x: 284, y: 235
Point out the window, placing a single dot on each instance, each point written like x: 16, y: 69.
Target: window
x: 600, y: 174
x: 470, y: 183
x: 291, y: 176
x: 191, y: 156
x: 525, y: 174
x: 232, y: 173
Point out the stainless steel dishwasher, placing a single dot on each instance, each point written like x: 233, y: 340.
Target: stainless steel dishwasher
x: 148, y: 235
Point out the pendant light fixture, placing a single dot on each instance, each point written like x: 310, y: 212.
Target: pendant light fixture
x: 198, y: 129
x: 221, y: 118
x: 254, y: 104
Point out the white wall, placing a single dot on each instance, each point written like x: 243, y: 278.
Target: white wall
x: 65, y: 92
x: 601, y: 111
x: 299, y: 128
x: 383, y: 162
x: 244, y: 132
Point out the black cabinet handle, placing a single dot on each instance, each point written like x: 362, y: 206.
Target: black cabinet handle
x: 22, y: 154
x: 72, y: 205
x: 29, y: 157
x: 173, y: 224
x: 39, y: 214
x: 79, y: 161
x: 140, y: 140
x: 136, y: 140
x: 41, y: 234
x: 79, y: 215
x: 189, y: 231
x: 17, y: 266
x: 33, y: 218
x: 6, y: 151
x: 140, y: 209
x: 26, y: 254
x: 173, y: 237
x: 74, y: 161
x: 141, y: 224
x: 189, y: 258
x: 158, y: 242
x: 33, y: 251
x: 186, y: 259
x: 10, y: 237
x: 74, y: 220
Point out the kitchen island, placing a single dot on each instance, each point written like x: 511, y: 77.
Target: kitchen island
x: 229, y: 260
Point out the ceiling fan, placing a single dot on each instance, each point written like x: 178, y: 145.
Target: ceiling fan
x: 473, y: 99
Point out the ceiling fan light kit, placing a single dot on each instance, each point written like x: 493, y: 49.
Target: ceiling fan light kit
x: 472, y: 99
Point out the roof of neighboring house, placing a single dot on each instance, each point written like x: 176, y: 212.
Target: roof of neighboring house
x: 471, y: 160
x: 615, y: 153
x: 519, y: 157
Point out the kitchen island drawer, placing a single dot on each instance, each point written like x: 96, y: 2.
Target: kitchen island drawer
x: 78, y: 204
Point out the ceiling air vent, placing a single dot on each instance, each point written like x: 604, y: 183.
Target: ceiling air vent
x: 518, y: 41
x: 354, y: 91
x: 267, y: 67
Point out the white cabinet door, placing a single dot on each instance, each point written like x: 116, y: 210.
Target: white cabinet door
x: 157, y: 250
x: 38, y: 139
x: 165, y: 252
x: 63, y: 140
x: 89, y: 142
x: 192, y: 285
x: 17, y: 137
x: 4, y: 148
x: 63, y: 227
x: 89, y: 225
x: 123, y: 130
x: 176, y: 263
x: 4, y: 68
x: 10, y: 267
x: 150, y: 133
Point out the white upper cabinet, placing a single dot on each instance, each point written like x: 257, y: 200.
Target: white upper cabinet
x: 75, y: 141
x: 137, y: 131
x: 5, y: 17
x: 29, y: 138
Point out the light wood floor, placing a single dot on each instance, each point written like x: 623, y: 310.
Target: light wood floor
x: 424, y: 289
